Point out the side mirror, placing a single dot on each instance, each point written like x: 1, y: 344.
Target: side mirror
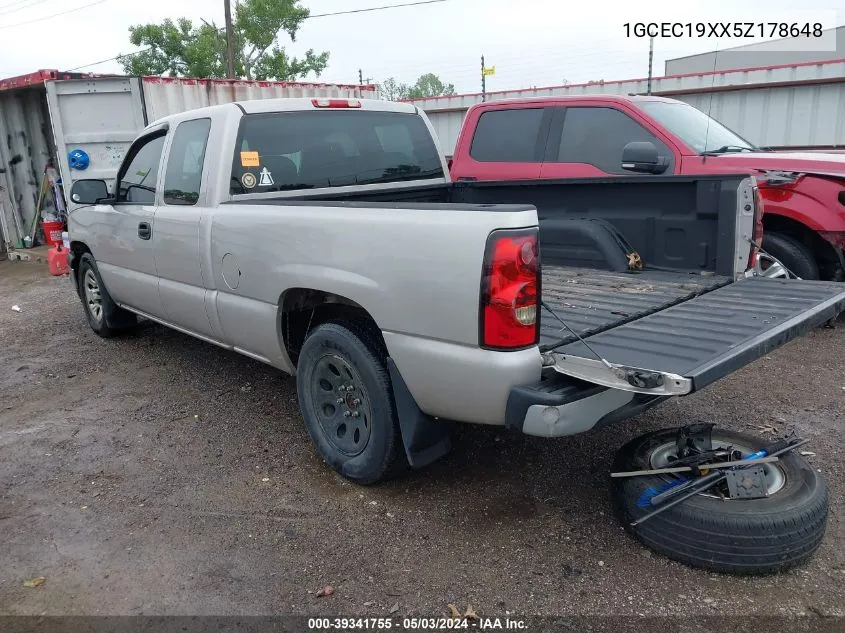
x: 88, y: 191
x: 642, y: 157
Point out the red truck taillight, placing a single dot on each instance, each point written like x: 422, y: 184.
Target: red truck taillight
x: 510, y: 290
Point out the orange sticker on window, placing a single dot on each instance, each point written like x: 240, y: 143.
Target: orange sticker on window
x: 250, y: 159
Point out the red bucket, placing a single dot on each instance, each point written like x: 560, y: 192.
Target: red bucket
x: 53, y: 232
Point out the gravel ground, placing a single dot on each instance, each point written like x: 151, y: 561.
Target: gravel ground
x: 157, y: 474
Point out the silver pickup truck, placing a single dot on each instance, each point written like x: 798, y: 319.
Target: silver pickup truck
x: 324, y: 237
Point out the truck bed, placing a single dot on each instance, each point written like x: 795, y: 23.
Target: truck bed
x: 591, y: 301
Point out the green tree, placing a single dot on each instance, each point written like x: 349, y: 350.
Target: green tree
x: 182, y: 48
x: 430, y: 85
x: 392, y: 90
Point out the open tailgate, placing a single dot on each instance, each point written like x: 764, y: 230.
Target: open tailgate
x: 685, y: 347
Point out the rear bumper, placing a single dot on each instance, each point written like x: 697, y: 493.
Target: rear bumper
x: 461, y: 382
x: 558, y: 405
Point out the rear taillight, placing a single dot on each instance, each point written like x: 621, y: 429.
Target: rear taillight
x: 336, y: 103
x: 510, y: 290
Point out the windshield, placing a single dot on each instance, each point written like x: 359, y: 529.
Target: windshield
x: 691, y: 126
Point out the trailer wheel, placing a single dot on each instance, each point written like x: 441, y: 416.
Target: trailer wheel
x: 792, y: 254
x: 739, y: 536
x: 346, y: 401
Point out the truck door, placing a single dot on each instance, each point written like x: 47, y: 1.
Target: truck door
x: 126, y: 231
x: 587, y: 142
x: 178, y: 219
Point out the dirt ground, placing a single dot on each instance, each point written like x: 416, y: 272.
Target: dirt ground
x: 157, y: 474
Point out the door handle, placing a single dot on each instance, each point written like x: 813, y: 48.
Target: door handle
x: 145, y: 231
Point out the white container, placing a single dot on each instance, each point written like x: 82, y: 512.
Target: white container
x: 66, y: 240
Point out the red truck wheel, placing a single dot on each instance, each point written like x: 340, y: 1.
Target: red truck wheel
x: 792, y: 254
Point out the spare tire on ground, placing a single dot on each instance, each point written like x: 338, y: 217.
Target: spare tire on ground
x: 739, y: 536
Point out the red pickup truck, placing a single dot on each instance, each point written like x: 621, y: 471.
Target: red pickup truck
x: 590, y: 137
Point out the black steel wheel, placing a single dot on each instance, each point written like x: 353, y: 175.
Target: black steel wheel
x: 346, y: 401
x: 739, y: 536
x: 341, y: 404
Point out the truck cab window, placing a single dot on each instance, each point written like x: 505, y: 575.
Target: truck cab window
x: 596, y: 136
x: 185, y: 161
x: 137, y: 183
x: 284, y: 151
x: 507, y: 136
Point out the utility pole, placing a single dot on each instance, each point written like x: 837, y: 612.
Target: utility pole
x: 650, y: 60
x: 230, y: 48
x: 483, y: 81
x: 360, y: 77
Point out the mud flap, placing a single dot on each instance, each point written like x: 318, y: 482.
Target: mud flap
x: 426, y: 439
x: 692, y: 344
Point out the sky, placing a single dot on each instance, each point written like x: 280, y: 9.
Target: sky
x: 532, y: 43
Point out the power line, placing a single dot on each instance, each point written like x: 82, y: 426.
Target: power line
x: 318, y: 15
x: 55, y: 15
x: 110, y: 59
x: 382, y: 8
x: 23, y: 8
x: 9, y: 4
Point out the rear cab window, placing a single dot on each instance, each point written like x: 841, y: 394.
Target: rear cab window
x: 508, y: 136
x: 284, y: 151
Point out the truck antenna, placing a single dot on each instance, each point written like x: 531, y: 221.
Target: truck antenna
x: 710, y: 103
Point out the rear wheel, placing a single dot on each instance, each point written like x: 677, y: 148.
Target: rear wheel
x: 741, y: 536
x: 796, y: 258
x: 346, y: 401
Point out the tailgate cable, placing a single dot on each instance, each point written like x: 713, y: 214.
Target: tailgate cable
x: 578, y: 336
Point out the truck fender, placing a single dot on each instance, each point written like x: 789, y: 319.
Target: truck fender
x: 426, y: 439
x: 801, y: 208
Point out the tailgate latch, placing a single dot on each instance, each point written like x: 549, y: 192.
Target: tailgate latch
x: 615, y: 376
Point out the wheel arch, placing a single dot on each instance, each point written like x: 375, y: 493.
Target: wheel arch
x: 301, y: 309
x: 77, y: 250
x: 825, y: 255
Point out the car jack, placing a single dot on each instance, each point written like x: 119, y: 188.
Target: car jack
x: 745, y: 477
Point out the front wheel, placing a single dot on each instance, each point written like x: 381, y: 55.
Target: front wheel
x: 346, y: 401
x: 105, y: 317
x: 789, y: 258
x: 740, y: 536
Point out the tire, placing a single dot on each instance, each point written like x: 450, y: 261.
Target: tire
x: 738, y: 536
x: 348, y: 354
x: 792, y: 254
x: 105, y: 317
